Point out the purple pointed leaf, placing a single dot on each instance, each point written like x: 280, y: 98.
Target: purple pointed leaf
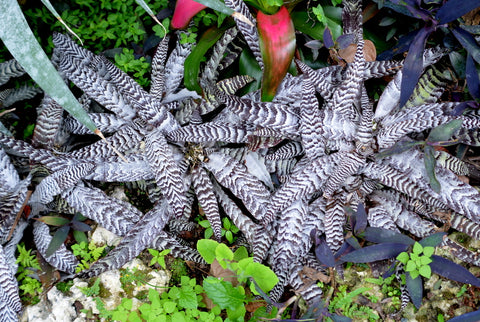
x: 450, y: 270
x: 454, y: 9
x: 360, y: 219
x: 467, y: 317
x: 401, y: 46
x: 389, y: 272
x: 473, y: 81
x: 413, y: 66
x: 374, y: 253
x: 345, y: 40
x: 400, y: 8
x: 80, y: 226
x: 352, y: 241
x: 460, y: 108
x: 327, y: 38
x: 381, y: 235
x: 468, y: 42
x: 57, y: 240
x: 415, y: 289
x: 433, y: 240
x: 324, y: 254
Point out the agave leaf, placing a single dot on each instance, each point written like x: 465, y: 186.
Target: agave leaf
x: 473, y: 79
x: 184, y: 12
x: 55, y: 13
x: 413, y: 66
x: 430, y: 168
x: 468, y: 42
x: 454, y: 9
x: 380, y: 235
x: 277, y: 44
x: 450, y: 270
x: 415, y: 289
x: 22, y: 44
x: 433, y: 240
x: 374, y: 253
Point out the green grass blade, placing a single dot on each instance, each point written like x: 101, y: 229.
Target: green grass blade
x: 22, y: 44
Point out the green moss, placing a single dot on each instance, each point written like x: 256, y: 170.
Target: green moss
x: 178, y: 269
x: 104, y: 291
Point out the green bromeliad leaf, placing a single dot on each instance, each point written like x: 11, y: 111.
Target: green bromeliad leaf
x: 22, y: 44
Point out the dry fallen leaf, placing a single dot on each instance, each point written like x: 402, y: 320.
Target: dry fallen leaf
x: 369, y: 51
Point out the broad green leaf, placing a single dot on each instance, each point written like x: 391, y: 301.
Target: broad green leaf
x: 22, y: 44
x: 223, y: 293
x: 430, y: 168
x: 193, y: 61
x: 444, y: 132
x: 240, y: 253
x: 206, y: 248
x: 263, y: 275
x: 54, y: 220
x: 169, y: 306
x: 57, y: 240
x: 223, y: 254
x: 80, y: 236
x: 397, y: 148
x: 432, y: 240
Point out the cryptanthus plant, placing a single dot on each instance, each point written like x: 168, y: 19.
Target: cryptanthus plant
x: 283, y: 169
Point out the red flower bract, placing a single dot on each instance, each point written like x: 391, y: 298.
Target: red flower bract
x: 184, y: 12
x: 277, y: 43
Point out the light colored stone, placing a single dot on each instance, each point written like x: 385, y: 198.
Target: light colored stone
x: 101, y: 237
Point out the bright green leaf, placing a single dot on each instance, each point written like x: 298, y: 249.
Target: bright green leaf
x: 428, y: 251
x: 414, y: 274
x: 425, y: 260
x: 240, y: 253
x: 206, y: 248
x: 403, y: 257
x: 223, y: 293
x: 263, y: 275
x: 425, y: 271
x: 411, y: 266
x: 222, y: 252
x: 417, y: 248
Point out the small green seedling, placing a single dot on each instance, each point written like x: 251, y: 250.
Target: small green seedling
x: 417, y: 262
x: 158, y: 257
